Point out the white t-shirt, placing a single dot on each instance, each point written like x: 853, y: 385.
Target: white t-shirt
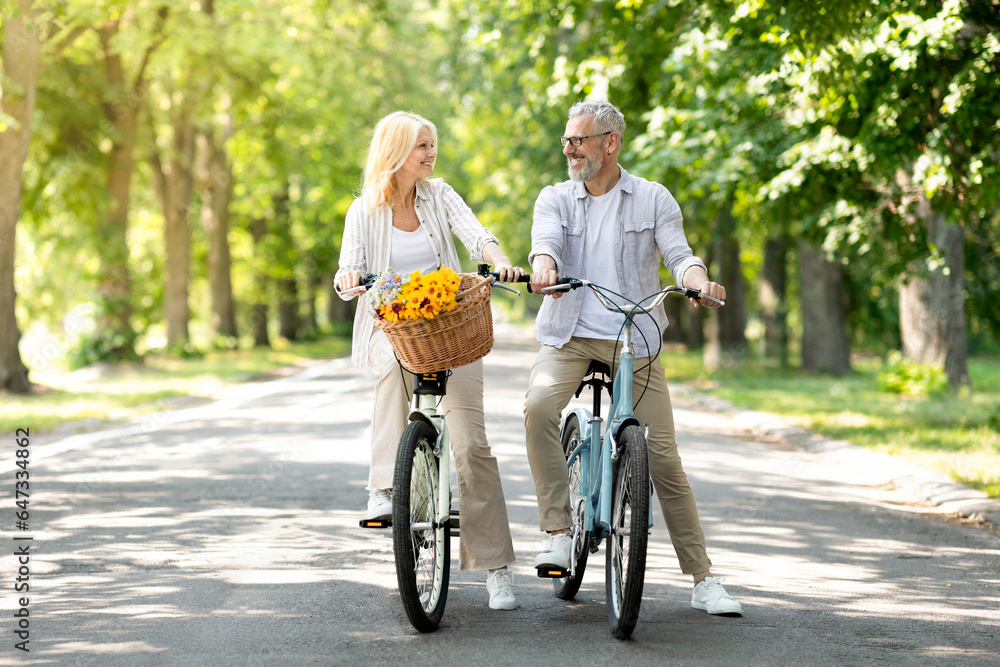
x: 600, y: 235
x: 411, y: 251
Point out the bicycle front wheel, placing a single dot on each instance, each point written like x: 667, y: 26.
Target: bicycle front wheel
x: 567, y: 587
x: 421, y: 544
x: 626, y: 552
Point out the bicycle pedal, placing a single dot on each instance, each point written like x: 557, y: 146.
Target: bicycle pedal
x: 376, y: 523
x: 552, y: 572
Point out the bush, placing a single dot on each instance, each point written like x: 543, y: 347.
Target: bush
x: 905, y: 376
x: 99, y: 346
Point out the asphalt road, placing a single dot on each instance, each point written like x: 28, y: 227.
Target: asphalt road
x: 227, y: 534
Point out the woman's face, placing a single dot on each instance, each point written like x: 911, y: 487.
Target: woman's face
x: 420, y: 163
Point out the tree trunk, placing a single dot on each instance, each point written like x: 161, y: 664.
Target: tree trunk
x: 21, y: 67
x: 217, y: 192
x: 288, y: 308
x: 174, y: 180
x: 115, y: 282
x: 774, y: 299
x: 825, y: 346
x: 725, y: 338
x: 675, y: 331
x: 932, y: 308
x: 258, y: 321
x: 338, y: 310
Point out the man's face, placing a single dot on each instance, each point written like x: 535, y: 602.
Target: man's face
x: 585, y: 161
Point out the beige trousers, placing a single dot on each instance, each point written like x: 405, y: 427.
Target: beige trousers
x: 555, y: 376
x: 485, y: 543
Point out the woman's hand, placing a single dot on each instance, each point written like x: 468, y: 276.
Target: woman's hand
x: 501, y: 263
x: 348, y: 280
x: 508, y: 272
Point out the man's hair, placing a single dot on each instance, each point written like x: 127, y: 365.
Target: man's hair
x: 393, y: 139
x: 607, y: 117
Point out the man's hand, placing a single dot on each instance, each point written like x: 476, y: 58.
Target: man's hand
x: 697, y: 278
x: 544, y: 274
x: 716, y: 290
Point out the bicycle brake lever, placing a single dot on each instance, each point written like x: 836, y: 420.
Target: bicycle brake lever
x: 497, y: 283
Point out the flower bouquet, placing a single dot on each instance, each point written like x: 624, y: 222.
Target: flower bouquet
x: 418, y: 297
x: 436, y: 321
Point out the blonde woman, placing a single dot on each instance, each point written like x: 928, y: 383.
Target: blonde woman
x: 405, y: 220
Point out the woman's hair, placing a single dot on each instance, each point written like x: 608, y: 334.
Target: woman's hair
x: 392, y: 141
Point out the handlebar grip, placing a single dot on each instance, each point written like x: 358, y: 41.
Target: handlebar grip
x: 367, y: 280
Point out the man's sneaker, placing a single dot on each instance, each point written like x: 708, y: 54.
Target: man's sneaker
x: 380, y: 504
x: 498, y: 585
x: 557, y: 552
x: 710, y: 596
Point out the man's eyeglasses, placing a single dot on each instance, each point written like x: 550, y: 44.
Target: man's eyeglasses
x: 578, y: 141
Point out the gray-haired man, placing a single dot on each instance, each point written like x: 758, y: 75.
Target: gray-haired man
x: 611, y: 228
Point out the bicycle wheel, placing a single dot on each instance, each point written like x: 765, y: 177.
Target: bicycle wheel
x: 421, y: 545
x: 566, y: 587
x: 626, y: 554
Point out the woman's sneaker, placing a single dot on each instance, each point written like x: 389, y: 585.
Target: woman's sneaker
x: 380, y: 504
x: 499, y: 586
x: 710, y: 596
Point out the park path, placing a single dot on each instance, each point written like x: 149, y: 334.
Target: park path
x: 227, y: 534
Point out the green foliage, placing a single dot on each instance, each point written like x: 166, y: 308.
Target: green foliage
x: 905, y: 376
x: 994, y: 420
x: 100, y: 346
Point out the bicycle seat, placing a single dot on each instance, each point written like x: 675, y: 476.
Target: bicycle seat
x: 598, y: 376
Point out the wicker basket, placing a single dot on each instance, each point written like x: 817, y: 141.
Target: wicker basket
x: 451, y: 339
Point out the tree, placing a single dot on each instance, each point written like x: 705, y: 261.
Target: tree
x: 21, y: 54
x: 24, y: 52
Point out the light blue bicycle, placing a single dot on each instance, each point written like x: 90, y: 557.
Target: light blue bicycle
x: 610, y: 488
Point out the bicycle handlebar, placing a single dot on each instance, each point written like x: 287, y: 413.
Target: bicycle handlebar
x: 567, y: 283
x: 368, y: 279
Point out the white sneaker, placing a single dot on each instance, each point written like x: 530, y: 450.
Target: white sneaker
x: 557, y: 552
x: 710, y: 596
x: 380, y: 504
x: 498, y: 585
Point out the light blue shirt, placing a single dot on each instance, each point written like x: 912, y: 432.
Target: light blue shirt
x: 648, y: 224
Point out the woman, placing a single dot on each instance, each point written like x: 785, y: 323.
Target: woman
x: 406, y: 221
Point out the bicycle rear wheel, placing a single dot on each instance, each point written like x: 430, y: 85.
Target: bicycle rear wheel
x: 626, y: 553
x: 567, y: 587
x: 422, y: 545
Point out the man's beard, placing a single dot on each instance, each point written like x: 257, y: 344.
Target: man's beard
x: 591, y: 166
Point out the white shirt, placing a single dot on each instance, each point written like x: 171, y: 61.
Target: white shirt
x: 595, y: 320
x: 412, y: 251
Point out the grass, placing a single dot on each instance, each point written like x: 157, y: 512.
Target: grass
x: 957, y: 434
x: 102, y: 393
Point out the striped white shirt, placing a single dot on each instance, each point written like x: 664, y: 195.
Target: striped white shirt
x: 367, y: 243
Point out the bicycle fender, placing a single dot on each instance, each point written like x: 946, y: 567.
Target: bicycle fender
x: 582, y: 418
x: 617, y: 426
x: 416, y: 415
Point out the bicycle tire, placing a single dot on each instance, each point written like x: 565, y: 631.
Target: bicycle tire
x: 566, y: 588
x: 626, y: 551
x: 423, y: 556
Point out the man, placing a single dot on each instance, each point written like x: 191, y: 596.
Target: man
x: 611, y: 228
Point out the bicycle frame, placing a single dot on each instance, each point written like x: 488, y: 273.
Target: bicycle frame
x: 423, y: 407
x: 598, y: 450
